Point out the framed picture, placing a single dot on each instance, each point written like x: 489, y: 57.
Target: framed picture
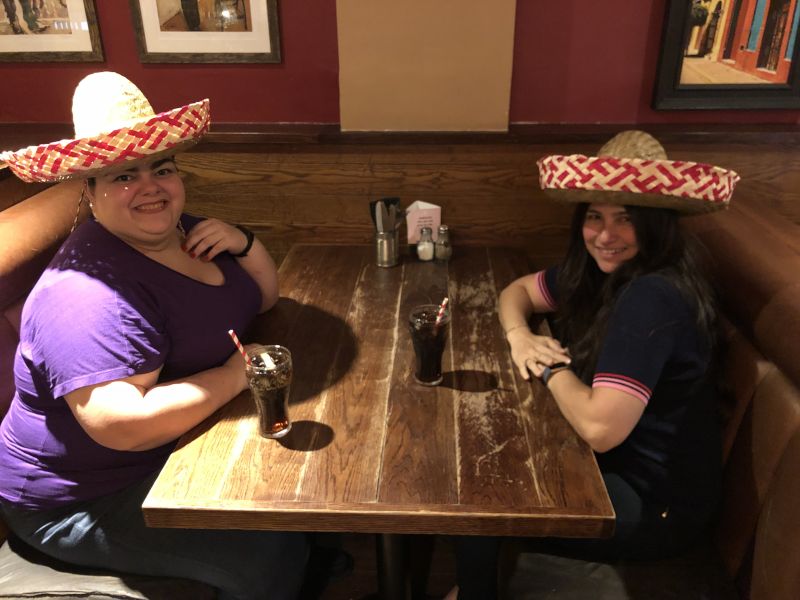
x: 49, y: 30
x: 722, y: 54
x: 207, y: 31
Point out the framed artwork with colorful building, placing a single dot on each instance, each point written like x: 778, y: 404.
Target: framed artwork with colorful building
x: 720, y: 54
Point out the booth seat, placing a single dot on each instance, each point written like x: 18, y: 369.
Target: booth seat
x: 30, y: 233
x: 753, y: 551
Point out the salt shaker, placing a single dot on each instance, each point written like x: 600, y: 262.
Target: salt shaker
x: 425, y: 244
x: 443, y: 250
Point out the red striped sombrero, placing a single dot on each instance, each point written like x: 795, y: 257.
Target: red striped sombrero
x: 632, y: 168
x: 114, y: 124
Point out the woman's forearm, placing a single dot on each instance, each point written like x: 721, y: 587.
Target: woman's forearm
x: 603, y: 417
x: 124, y: 416
x: 514, y: 307
x: 259, y: 265
x: 573, y: 398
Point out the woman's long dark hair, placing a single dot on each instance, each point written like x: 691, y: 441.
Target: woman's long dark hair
x: 586, y: 294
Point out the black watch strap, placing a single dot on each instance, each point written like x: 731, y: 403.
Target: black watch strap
x: 548, y: 371
x: 250, y: 237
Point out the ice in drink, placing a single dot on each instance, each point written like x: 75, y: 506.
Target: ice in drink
x: 269, y: 375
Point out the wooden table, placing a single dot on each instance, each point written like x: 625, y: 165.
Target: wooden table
x: 371, y: 450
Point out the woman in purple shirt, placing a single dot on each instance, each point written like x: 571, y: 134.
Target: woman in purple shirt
x: 124, y: 347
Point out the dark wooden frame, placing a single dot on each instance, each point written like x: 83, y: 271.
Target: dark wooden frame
x: 273, y: 56
x: 93, y: 55
x: 670, y: 94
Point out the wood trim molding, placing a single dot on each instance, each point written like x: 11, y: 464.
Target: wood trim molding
x: 247, y: 137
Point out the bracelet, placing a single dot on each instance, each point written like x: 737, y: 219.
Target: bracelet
x: 250, y: 237
x: 548, y: 372
x: 513, y: 328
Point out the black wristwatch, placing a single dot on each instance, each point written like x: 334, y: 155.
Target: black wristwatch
x: 548, y: 372
x: 250, y: 237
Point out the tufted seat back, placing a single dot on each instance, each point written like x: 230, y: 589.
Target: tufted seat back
x: 30, y: 233
x: 755, y: 261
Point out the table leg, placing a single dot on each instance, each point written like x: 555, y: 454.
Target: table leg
x: 392, y: 571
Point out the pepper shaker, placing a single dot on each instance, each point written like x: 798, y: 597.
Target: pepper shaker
x: 425, y: 244
x: 443, y: 250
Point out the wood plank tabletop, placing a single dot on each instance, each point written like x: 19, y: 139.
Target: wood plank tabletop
x: 371, y: 450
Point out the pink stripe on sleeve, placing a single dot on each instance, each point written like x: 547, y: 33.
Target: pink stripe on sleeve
x: 542, y: 284
x: 624, y: 384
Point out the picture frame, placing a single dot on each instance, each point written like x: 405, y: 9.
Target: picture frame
x: 49, y: 31
x: 207, y: 31
x: 729, y: 54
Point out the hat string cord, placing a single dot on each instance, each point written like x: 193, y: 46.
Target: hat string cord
x: 78, y: 211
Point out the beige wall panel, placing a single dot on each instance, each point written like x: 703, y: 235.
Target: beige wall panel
x: 422, y: 65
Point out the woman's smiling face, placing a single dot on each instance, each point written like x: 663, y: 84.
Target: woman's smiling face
x: 609, y: 235
x: 141, y: 204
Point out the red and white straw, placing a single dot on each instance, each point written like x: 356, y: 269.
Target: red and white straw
x: 239, y: 346
x: 442, y: 308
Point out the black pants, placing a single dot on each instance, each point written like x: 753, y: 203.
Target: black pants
x: 642, y: 531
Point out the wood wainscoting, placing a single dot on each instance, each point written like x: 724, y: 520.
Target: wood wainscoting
x: 313, y: 184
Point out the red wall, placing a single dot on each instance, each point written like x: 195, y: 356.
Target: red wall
x: 303, y: 88
x: 576, y: 61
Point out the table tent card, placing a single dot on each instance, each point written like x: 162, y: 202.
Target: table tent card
x: 422, y: 214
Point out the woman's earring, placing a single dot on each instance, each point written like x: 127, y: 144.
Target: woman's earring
x: 181, y: 229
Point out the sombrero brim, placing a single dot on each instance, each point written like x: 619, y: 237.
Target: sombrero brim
x: 160, y: 135
x: 688, y: 187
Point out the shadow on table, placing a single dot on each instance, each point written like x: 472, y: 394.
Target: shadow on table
x: 466, y: 380
x: 323, y: 345
x: 307, y: 436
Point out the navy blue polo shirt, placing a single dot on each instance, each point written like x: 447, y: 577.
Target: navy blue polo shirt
x: 654, y: 351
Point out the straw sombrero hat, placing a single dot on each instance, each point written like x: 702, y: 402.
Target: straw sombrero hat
x: 114, y: 124
x: 632, y: 168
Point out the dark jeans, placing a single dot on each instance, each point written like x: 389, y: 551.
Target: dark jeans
x: 110, y: 533
x: 641, y: 532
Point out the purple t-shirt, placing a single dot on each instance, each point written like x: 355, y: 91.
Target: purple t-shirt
x: 103, y: 311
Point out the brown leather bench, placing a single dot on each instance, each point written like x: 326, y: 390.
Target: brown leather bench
x: 30, y: 233
x: 754, y: 554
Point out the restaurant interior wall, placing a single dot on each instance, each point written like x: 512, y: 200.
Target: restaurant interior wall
x: 575, y: 62
x: 413, y: 67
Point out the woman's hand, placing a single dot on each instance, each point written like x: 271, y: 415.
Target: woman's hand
x: 212, y: 236
x: 532, y: 352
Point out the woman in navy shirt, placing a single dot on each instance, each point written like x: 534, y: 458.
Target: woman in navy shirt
x: 630, y: 363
